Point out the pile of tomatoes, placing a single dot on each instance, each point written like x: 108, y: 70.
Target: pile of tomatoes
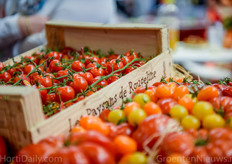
x: 171, y: 122
x: 68, y: 76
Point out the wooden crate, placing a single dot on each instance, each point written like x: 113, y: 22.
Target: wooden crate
x: 22, y: 120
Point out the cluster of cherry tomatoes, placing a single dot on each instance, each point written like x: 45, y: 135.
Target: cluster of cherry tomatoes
x: 171, y: 122
x: 68, y: 76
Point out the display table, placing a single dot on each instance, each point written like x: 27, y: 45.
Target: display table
x: 191, y: 57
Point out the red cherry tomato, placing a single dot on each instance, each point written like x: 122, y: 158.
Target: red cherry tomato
x: 51, y: 97
x: 52, y: 77
x: 41, y: 151
x: 92, y: 136
x: 227, y: 91
x: 104, y: 114
x: 131, y: 54
x: 65, y: 93
x: 128, y: 70
x: 122, y: 129
x: 125, y: 59
x: 101, y: 84
x: 97, y: 154
x: 22, y: 77
x: 155, y: 124
x: 113, y: 56
x: 5, y: 76
x: 113, y: 78
x: 114, y: 65
x: 97, y: 72
x: 178, y: 142
x: 79, y: 84
x: 28, y: 68
x: 88, y: 76
x: 54, y: 55
x: 45, y: 81
x: 70, y: 154
x: 92, y: 60
x: 43, y: 94
x: 91, y: 65
x: 103, y: 60
x: 77, y: 66
x: 55, y: 66
x: 62, y: 73
x: 35, y: 59
x: 1, y: 66
x: 166, y: 104
x: 12, y: 71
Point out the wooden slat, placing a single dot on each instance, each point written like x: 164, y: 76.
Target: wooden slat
x: 85, y: 25
x: 20, y: 109
x: 148, y: 39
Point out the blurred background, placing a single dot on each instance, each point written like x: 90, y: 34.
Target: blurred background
x: 200, y: 31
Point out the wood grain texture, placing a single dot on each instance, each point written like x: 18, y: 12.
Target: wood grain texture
x: 148, y: 39
x: 20, y: 109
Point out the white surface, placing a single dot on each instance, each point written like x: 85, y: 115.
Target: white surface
x: 205, y: 53
x: 207, y: 72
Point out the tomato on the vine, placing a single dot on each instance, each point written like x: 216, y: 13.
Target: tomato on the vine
x: 55, y: 65
x: 97, y: 72
x: 128, y: 70
x: 5, y: 76
x: 62, y: 73
x: 77, y: 66
x: 54, y: 55
x: 207, y: 93
x: 79, y: 84
x: 92, y: 60
x: 43, y: 93
x: 122, y: 129
x: 12, y: 71
x: 71, y: 154
x: 131, y: 54
x: 1, y: 66
x: 113, y: 78
x: 45, y: 81
x: 114, y: 65
x: 51, y: 97
x: 125, y: 59
x: 65, y: 93
x: 227, y: 91
x: 21, y: 77
x: 88, y: 76
x: 166, y: 104
x: 101, y: 84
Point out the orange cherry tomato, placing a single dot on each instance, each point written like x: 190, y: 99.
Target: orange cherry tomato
x: 207, y: 93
